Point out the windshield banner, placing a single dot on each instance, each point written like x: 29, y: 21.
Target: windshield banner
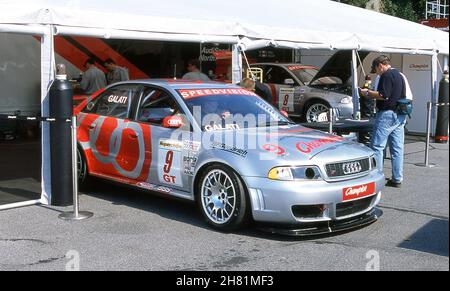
x: 193, y: 93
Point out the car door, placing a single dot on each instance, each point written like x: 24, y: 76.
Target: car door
x: 168, y: 147
x: 103, y: 125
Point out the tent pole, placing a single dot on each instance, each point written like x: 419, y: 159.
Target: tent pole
x: 445, y: 65
x: 236, y: 64
x: 355, y: 93
x: 434, y: 88
x: 47, y: 76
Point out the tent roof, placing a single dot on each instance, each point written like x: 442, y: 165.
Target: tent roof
x: 319, y: 23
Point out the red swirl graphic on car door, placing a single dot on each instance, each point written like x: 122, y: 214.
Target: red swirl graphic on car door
x: 116, y: 148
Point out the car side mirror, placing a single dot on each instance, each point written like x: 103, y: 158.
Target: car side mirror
x: 289, y: 82
x: 284, y: 113
x: 173, y: 122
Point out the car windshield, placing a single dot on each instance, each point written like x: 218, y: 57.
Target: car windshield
x: 231, y: 108
x: 304, y: 74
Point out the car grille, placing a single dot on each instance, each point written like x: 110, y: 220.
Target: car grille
x: 352, y: 207
x: 344, y: 169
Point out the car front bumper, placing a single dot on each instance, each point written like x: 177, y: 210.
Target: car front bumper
x: 344, y: 111
x: 277, y: 201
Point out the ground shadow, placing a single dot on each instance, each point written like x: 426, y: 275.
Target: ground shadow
x: 14, y: 195
x: 181, y: 210
x: 168, y: 207
x: 431, y: 238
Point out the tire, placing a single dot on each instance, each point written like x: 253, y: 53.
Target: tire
x: 314, y: 108
x: 83, y: 173
x: 212, y: 198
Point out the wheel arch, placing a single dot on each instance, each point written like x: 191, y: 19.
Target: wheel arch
x: 315, y: 99
x: 202, y: 169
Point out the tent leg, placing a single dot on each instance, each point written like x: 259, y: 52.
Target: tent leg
x: 236, y: 65
x: 355, y: 93
x: 445, y: 63
x: 47, y: 76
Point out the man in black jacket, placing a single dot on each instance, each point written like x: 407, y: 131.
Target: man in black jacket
x: 389, y: 125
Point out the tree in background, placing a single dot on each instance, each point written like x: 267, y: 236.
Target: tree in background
x: 412, y: 10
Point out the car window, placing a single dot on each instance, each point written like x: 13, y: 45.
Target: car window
x: 276, y: 75
x: 114, y: 102
x: 155, y: 105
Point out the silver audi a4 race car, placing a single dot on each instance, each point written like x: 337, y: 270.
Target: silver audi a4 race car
x: 231, y: 152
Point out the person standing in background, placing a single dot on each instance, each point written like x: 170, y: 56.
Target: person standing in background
x: 93, y: 78
x: 194, y: 73
x: 116, y: 73
x: 389, y: 124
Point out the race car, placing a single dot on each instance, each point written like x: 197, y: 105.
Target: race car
x: 231, y: 152
x: 307, y: 91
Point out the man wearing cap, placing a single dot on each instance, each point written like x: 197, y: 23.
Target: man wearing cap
x: 389, y: 126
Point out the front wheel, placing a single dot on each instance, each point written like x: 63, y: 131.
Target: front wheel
x: 221, y: 198
x: 314, y: 110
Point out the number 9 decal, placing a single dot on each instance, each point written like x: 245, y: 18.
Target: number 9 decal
x: 169, y: 161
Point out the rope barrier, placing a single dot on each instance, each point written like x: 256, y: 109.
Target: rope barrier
x: 35, y: 118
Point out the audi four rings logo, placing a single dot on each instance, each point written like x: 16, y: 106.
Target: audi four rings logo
x: 352, y: 168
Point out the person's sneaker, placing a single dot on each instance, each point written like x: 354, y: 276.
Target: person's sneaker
x: 391, y: 183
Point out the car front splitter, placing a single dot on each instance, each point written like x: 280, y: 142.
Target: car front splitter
x: 314, y: 229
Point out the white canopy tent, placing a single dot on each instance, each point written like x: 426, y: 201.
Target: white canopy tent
x: 249, y: 24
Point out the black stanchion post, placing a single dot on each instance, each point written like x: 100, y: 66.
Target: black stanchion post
x: 441, y: 135
x: 61, y: 107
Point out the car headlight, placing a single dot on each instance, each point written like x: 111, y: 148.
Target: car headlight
x: 307, y: 173
x: 346, y: 100
x: 373, y: 162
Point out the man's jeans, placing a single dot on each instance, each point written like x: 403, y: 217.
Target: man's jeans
x: 389, y: 128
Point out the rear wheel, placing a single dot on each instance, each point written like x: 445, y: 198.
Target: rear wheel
x: 221, y: 198
x: 83, y: 174
x: 315, y: 109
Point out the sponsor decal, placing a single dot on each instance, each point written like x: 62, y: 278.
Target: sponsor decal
x: 268, y: 109
x: 230, y: 149
x: 308, y: 147
x: 146, y: 185
x: 118, y: 99
x: 105, y: 142
x: 189, y: 164
x: 171, y: 144
x: 192, y: 146
x: 154, y: 187
x: 187, y: 94
x: 286, y: 99
x: 419, y: 67
x: 216, y: 127
x: 169, y: 162
x: 357, y: 192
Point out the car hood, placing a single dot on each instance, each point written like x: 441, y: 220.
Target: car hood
x: 339, y: 65
x: 285, y: 145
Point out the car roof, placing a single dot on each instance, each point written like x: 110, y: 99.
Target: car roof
x: 180, y: 84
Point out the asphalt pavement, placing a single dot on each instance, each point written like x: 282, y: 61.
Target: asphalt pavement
x: 132, y: 230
